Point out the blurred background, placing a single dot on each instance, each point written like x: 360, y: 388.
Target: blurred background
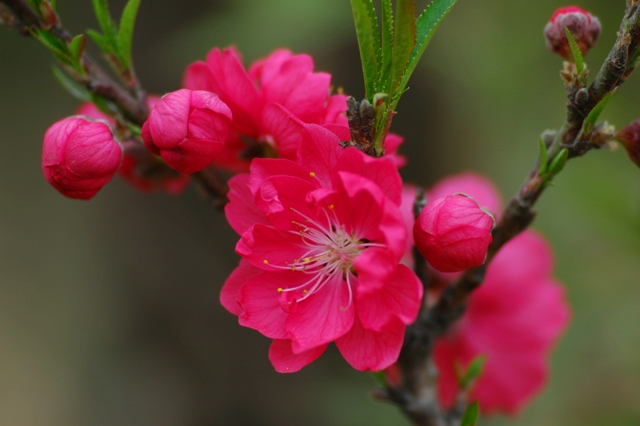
x: 109, y: 310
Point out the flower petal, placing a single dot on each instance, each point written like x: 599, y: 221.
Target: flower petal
x: 284, y: 360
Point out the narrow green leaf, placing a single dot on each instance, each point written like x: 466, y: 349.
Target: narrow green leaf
x: 384, y: 71
x: 53, y: 4
x: 426, y: 26
x: 575, y: 51
x: 101, y: 9
x: 54, y: 44
x: 125, y: 34
x: 77, y: 46
x: 470, y: 417
x: 542, y: 167
x: 473, y: 372
x: 35, y: 4
x: 366, y: 22
x: 100, y: 40
x: 591, y: 119
x: 404, y: 40
x: 558, y: 162
x: 71, y: 86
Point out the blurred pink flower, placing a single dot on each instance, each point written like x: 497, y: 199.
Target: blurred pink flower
x: 79, y: 156
x: 321, y: 240
x: 187, y: 129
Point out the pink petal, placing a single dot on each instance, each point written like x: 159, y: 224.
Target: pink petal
x: 198, y: 76
x: 284, y: 360
x: 269, y: 248
x: 400, y: 297
x: 371, y: 350
x: 322, y: 317
x: 471, y: 184
x: 287, y: 130
x: 168, y: 119
x: 282, y: 199
x: 230, y: 292
x: 320, y: 154
x: 264, y: 168
x: 241, y: 211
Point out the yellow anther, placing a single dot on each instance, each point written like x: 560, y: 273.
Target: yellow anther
x: 331, y: 206
x: 307, y: 259
x: 280, y: 290
x: 305, y: 291
x: 266, y: 262
x: 312, y: 174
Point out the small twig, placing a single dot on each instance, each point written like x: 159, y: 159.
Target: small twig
x: 214, y: 185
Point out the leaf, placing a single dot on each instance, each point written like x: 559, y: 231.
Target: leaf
x: 100, y: 40
x: 473, y: 372
x: 54, y: 44
x: 71, y: 86
x: 384, y: 70
x: 77, y: 46
x: 542, y: 167
x: 35, y: 4
x: 366, y: 23
x: 426, y: 26
x: 53, y: 4
x: 404, y: 40
x: 125, y: 34
x: 575, y: 51
x: 101, y: 9
x: 591, y: 119
x: 470, y: 417
x: 558, y: 162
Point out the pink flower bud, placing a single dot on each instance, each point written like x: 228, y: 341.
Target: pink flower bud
x: 453, y: 233
x: 630, y: 139
x: 584, y: 27
x: 79, y: 156
x: 187, y: 129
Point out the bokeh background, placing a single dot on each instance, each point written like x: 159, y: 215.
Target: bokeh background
x: 108, y: 309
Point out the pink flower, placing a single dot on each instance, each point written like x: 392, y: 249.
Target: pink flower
x: 139, y: 167
x: 79, y: 156
x: 187, y: 129
x: 321, y: 240
x: 453, y: 233
x: 584, y: 27
x: 514, y: 318
x: 629, y: 137
x: 282, y: 79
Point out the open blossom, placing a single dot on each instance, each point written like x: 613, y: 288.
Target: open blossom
x: 281, y: 79
x: 80, y: 156
x: 140, y: 167
x: 453, y: 233
x: 514, y: 318
x: 187, y: 129
x: 321, y: 240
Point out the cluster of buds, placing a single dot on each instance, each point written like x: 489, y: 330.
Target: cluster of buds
x: 583, y: 26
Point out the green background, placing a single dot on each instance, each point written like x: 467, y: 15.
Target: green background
x: 109, y: 311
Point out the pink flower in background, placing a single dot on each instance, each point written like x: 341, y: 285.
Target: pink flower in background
x: 453, y: 233
x: 79, y: 156
x: 275, y: 90
x: 514, y: 318
x: 139, y: 167
x: 187, y: 129
x: 321, y: 240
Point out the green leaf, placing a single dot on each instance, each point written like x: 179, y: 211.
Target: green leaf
x: 125, y: 34
x: 77, y: 46
x: 470, y: 417
x: 54, y: 44
x: 35, y: 4
x: 366, y: 22
x: 575, y: 51
x: 591, y: 119
x: 542, y: 167
x: 53, y: 4
x: 384, y: 70
x: 473, y: 372
x: 558, y: 162
x: 426, y: 26
x: 100, y: 40
x: 70, y: 85
x: 404, y: 40
x: 101, y: 9
x: 379, y: 377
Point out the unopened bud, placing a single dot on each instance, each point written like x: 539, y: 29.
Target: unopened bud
x: 187, y: 128
x: 583, y: 26
x: 629, y: 137
x: 453, y: 233
x: 80, y: 156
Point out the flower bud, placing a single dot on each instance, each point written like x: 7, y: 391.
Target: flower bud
x: 453, y: 233
x: 147, y: 172
x: 629, y: 137
x: 584, y: 27
x: 187, y: 129
x: 80, y: 156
